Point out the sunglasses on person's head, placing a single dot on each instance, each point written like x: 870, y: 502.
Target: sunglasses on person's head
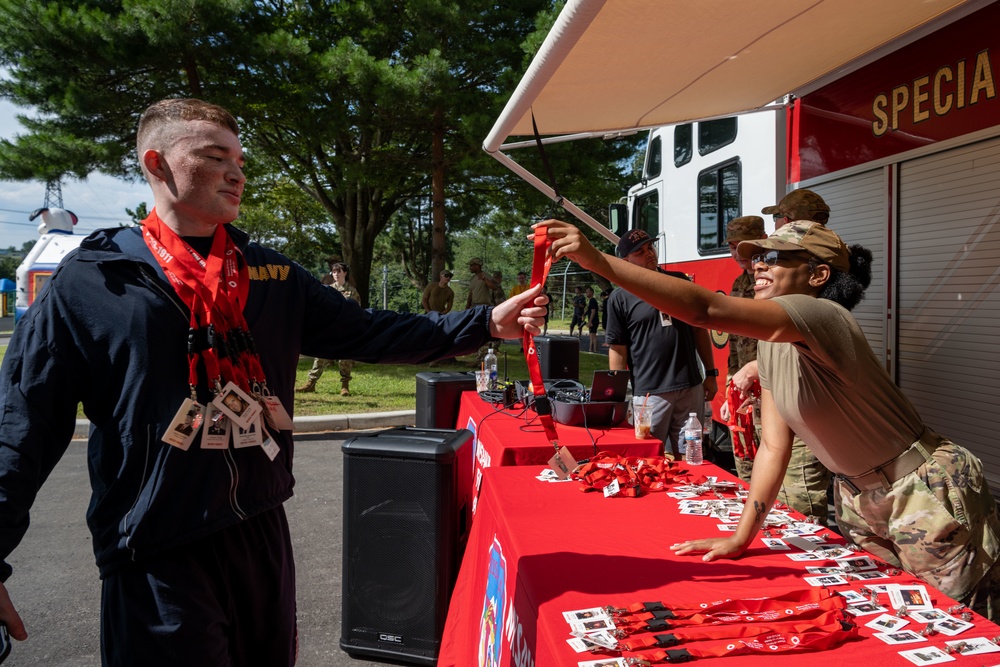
x: 772, y: 257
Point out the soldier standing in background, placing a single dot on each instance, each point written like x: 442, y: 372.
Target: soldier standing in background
x: 438, y: 297
x: 338, y: 281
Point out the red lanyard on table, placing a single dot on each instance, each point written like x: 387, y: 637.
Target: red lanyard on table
x: 214, y: 289
x: 541, y: 263
x: 792, y: 603
x: 772, y: 642
x: 828, y: 621
x: 635, y: 475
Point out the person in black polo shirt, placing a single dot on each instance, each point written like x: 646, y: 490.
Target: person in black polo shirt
x: 662, y: 352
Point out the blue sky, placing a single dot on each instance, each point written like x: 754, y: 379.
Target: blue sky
x: 99, y: 201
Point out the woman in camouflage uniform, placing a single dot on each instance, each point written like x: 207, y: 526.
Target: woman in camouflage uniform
x: 904, y: 493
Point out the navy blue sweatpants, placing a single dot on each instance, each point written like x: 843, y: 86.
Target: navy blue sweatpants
x: 227, y: 600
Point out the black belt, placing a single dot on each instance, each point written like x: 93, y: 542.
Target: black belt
x: 895, y: 469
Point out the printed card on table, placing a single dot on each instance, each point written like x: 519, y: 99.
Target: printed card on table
x: 930, y: 655
x: 913, y: 596
x: 952, y: 626
x: 592, y: 625
x: 581, y: 644
x: 600, y: 637
x: 774, y: 544
x: 974, y: 645
x: 852, y: 597
x: 857, y: 562
x: 929, y: 615
x: 827, y: 580
x: 868, y: 575
x: 900, y: 637
x: 822, y: 569
x: 887, y: 623
x: 866, y: 609
x: 581, y: 615
x: 606, y: 662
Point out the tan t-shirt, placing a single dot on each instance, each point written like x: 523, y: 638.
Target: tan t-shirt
x: 833, y: 391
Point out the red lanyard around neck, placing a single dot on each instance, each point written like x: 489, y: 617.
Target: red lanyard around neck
x: 214, y: 289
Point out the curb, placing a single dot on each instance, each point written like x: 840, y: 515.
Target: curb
x: 318, y: 423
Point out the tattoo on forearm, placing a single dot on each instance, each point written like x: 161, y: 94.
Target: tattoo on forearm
x: 760, y: 511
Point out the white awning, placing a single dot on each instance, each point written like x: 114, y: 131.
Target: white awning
x: 611, y: 65
x: 615, y: 65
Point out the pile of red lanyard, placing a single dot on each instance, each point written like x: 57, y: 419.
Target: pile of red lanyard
x: 741, y: 421
x: 635, y: 475
x: 795, y: 622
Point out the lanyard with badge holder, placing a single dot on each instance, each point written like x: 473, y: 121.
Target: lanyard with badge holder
x: 214, y: 289
x: 562, y: 462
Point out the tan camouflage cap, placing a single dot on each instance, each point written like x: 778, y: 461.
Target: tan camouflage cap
x: 801, y: 204
x: 747, y: 228
x: 813, y: 237
x: 475, y: 260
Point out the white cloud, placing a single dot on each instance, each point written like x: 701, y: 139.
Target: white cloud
x: 99, y: 201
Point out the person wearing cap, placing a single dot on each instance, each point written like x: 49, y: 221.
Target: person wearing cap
x: 806, y: 481
x: 801, y: 204
x: 438, y: 296
x: 907, y: 495
x: 579, y: 305
x: 337, y: 279
x: 661, y: 352
x: 481, y: 286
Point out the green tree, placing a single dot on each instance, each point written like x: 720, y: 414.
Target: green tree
x: 360, y: 102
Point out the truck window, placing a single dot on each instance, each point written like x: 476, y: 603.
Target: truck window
x: 654, y: 158
x: 646, y: 212
x: 714, y: 134
x: 719, y: 197
x: 683, y: 144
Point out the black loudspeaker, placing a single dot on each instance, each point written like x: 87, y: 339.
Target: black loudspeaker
x: 559, y: 357
x: 406, y: 521
x: 439, y: 396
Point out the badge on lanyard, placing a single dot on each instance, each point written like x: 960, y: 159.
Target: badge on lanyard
x: 185, y: 424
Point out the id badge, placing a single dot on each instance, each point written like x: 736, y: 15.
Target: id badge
x: 248, y: 437
x: 185, y: 424
x: 237, y: 405
x: 665, y: 320
x: 217, y: 429
x: 562, y: 463
x: 276, y: 414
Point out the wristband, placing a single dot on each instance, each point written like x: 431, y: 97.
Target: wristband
x: 714, y: 373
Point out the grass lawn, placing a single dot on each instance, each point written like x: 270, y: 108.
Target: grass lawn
x: 385, y: 388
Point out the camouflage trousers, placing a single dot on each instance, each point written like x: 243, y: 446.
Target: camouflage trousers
x: 804, y: 488
x: 319, y: 365
x: 939, y: 523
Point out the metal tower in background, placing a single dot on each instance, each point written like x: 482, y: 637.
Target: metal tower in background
x: 53, y: 194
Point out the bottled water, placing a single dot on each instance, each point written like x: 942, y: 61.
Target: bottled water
x: 691, y: 435
x: 490, y: 362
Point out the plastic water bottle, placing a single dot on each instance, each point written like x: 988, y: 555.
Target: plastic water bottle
x: 490, y: 362
x: 691, y: 435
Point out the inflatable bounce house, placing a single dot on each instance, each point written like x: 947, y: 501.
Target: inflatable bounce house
x: 56, y: 239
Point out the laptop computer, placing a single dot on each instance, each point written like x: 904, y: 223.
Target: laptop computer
x: 609, y: 386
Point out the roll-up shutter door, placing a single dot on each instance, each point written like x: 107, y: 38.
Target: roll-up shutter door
x: 857, y: 214
x: 949, y: 301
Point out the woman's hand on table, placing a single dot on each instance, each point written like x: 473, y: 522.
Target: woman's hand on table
x: 713, y: 548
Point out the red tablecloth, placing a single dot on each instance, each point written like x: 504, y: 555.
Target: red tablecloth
x: 515, y: 438
x: 538, y: 549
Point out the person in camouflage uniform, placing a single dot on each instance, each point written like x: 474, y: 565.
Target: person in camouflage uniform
x: 337, y: 279
x: 907, y: 494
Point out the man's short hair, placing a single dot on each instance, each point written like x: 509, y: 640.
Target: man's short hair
x: 161, y: 115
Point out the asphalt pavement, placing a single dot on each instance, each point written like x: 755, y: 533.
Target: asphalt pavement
x: 55, y: 584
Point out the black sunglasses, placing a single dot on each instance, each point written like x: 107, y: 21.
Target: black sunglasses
x: 772, y: 257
